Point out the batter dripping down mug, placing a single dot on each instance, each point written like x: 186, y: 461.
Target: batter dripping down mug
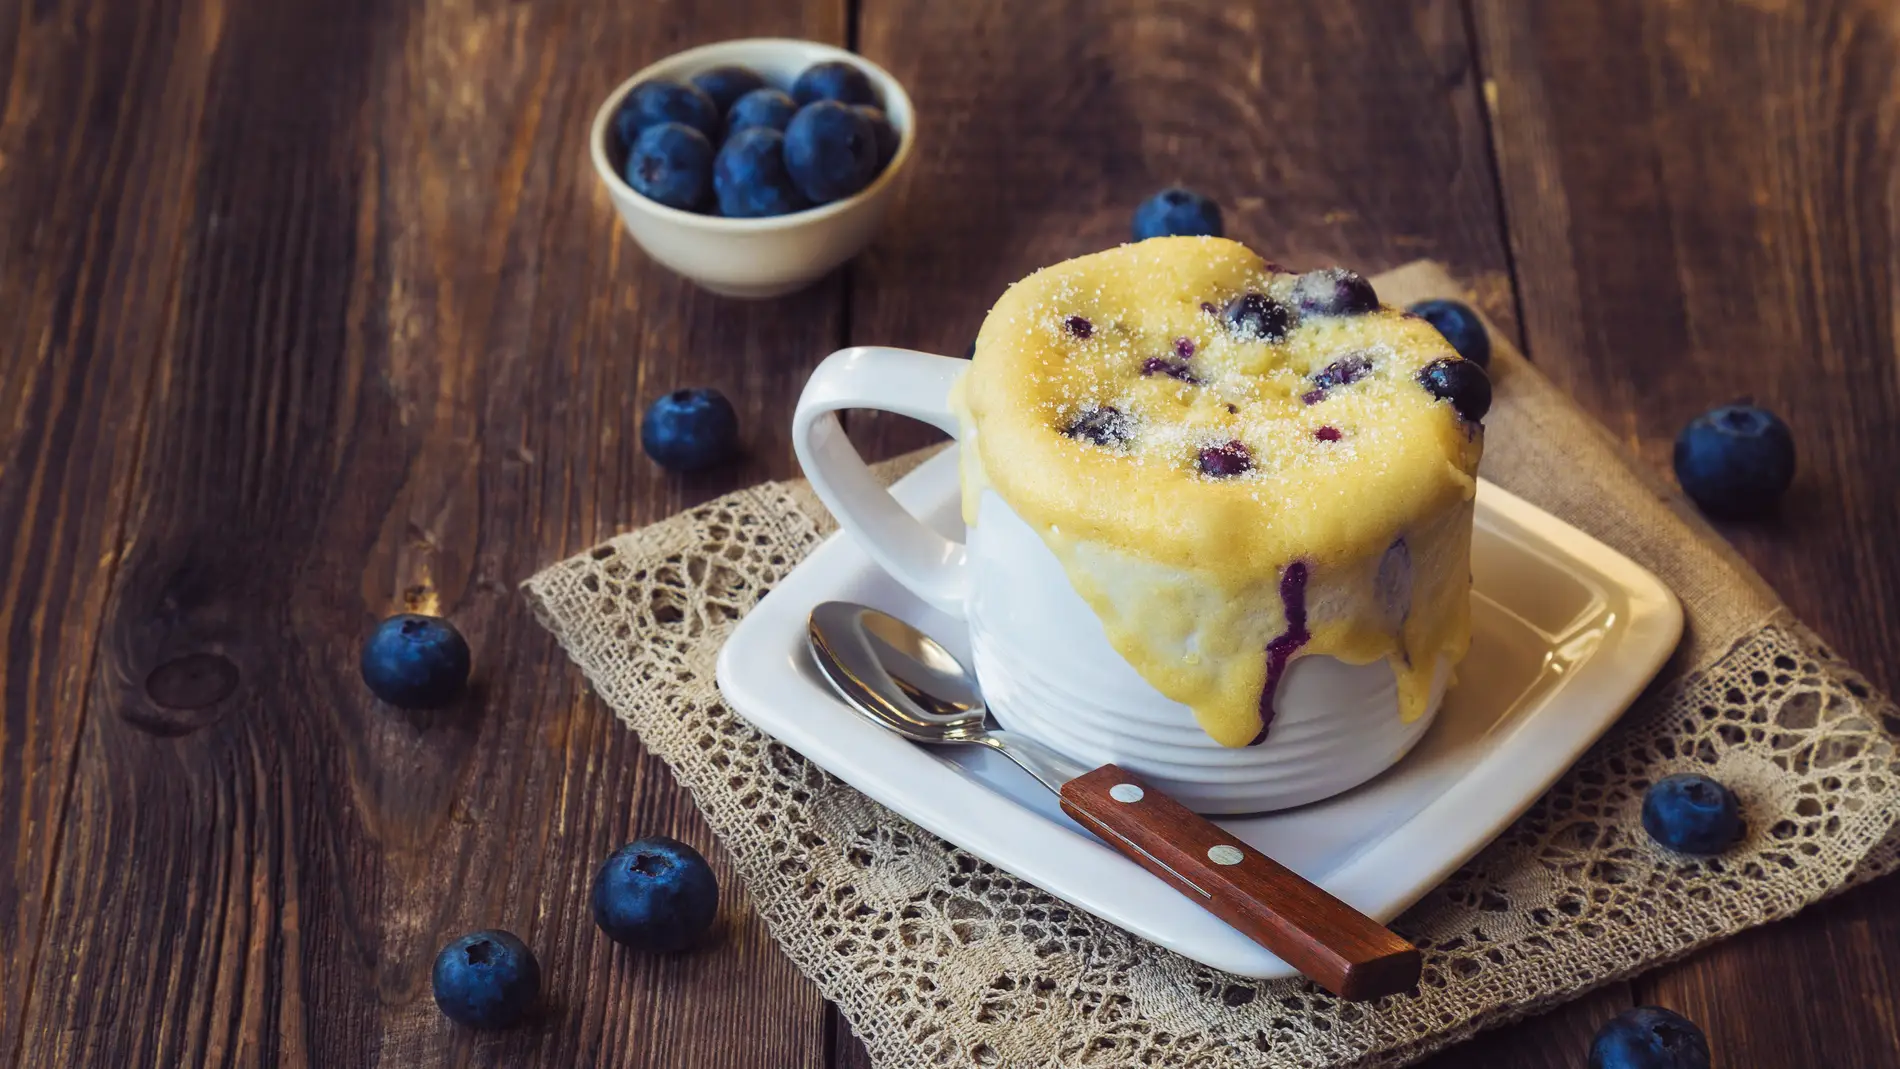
x: 1218, y: 514
x: 1045, y: 665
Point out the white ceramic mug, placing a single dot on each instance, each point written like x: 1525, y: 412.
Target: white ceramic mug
x: 1044, y: 663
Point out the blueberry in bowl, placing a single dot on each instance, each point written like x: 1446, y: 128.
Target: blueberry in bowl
x: 664, y: 100
x: 769, y: 108
x: 882, y: 131
x: 750, y: 178
x: 756, y: 226
x: 671, y: 164
x: 830, y: 150
x: 725, y: 85
x: 839, y: 80
x: 838, y: 137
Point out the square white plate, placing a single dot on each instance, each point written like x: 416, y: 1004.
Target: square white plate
x: 1565, y: 633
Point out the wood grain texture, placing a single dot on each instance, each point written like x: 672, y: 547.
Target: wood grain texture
x: 79, y: 214
x: 1330, y: 133
x: 1559, y: 1039
x: 1701, y: 198
x: 395, y: 346
x: 1336, y: 946
x: 313, y: 311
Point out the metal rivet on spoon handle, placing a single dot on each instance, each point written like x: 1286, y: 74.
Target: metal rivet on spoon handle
x: 902, y: 679
x: 1340, y: 948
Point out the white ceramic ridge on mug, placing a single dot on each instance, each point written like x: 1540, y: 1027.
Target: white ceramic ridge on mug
x: 1041, y: 657
x: 770, y: 256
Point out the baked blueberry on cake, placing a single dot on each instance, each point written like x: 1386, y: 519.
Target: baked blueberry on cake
x: 1237, y: 465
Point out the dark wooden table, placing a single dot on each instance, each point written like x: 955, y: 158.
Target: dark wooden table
x: 312, y: 310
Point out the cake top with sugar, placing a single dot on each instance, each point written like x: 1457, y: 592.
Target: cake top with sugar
x: 1190, y: 403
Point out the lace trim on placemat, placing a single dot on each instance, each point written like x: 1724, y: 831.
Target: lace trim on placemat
x: 939, y: 959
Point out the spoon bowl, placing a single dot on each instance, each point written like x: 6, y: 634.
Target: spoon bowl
x: 896, y: 674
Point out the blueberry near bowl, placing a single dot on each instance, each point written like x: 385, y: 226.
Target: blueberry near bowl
x: 771, y: 215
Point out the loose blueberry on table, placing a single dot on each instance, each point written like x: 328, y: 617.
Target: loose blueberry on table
x: 724, y: 85
x: 671, y: 163
x: 415, y: 662
x: 770, y: 108
x: 833, y: 80
x: 1460, y: 326
x: 750, y: 179
x: 663, y: 100
x: 688, y: 430
x: 1649, y: 1037
x: 1692, y: 814
x: 830, y: 150
x: 486, y: 979
x: 656, y: 894
x: 1735, y: 461
x: 1177, y: 212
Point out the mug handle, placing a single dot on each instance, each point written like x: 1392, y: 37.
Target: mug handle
x: 910, y: 384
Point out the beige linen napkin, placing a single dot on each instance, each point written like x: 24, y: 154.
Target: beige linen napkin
x: 939, y: 959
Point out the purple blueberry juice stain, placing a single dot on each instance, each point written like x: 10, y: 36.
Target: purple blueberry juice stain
x: 1103, y: 425
x: 1079, y: 327
x: 1342, y: 372
x: 1327, y: 434
x: 1208, y: 308
x: 1280, y: 651
x: 1184, y: 347
x: 1225, y: 461
x: 1174, y: 369
x: 1395, y: 585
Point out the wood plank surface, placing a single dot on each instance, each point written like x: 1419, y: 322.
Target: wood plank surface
x: 1346, y: 132
x: 78, y: 214
x: 395, y: 345
x: 1701, y: 198
x: 310, y: 312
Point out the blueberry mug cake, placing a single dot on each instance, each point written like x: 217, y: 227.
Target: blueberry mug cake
x: 1236, y: 465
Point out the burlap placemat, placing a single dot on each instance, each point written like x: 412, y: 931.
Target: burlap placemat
x: 940, y: 960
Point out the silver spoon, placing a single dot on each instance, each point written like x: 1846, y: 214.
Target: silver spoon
x: 900, y: 678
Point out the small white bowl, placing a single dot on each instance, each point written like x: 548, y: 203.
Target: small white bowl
x: 755, y: 257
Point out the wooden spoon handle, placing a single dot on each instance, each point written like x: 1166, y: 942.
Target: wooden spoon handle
x: 1340, y: 948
